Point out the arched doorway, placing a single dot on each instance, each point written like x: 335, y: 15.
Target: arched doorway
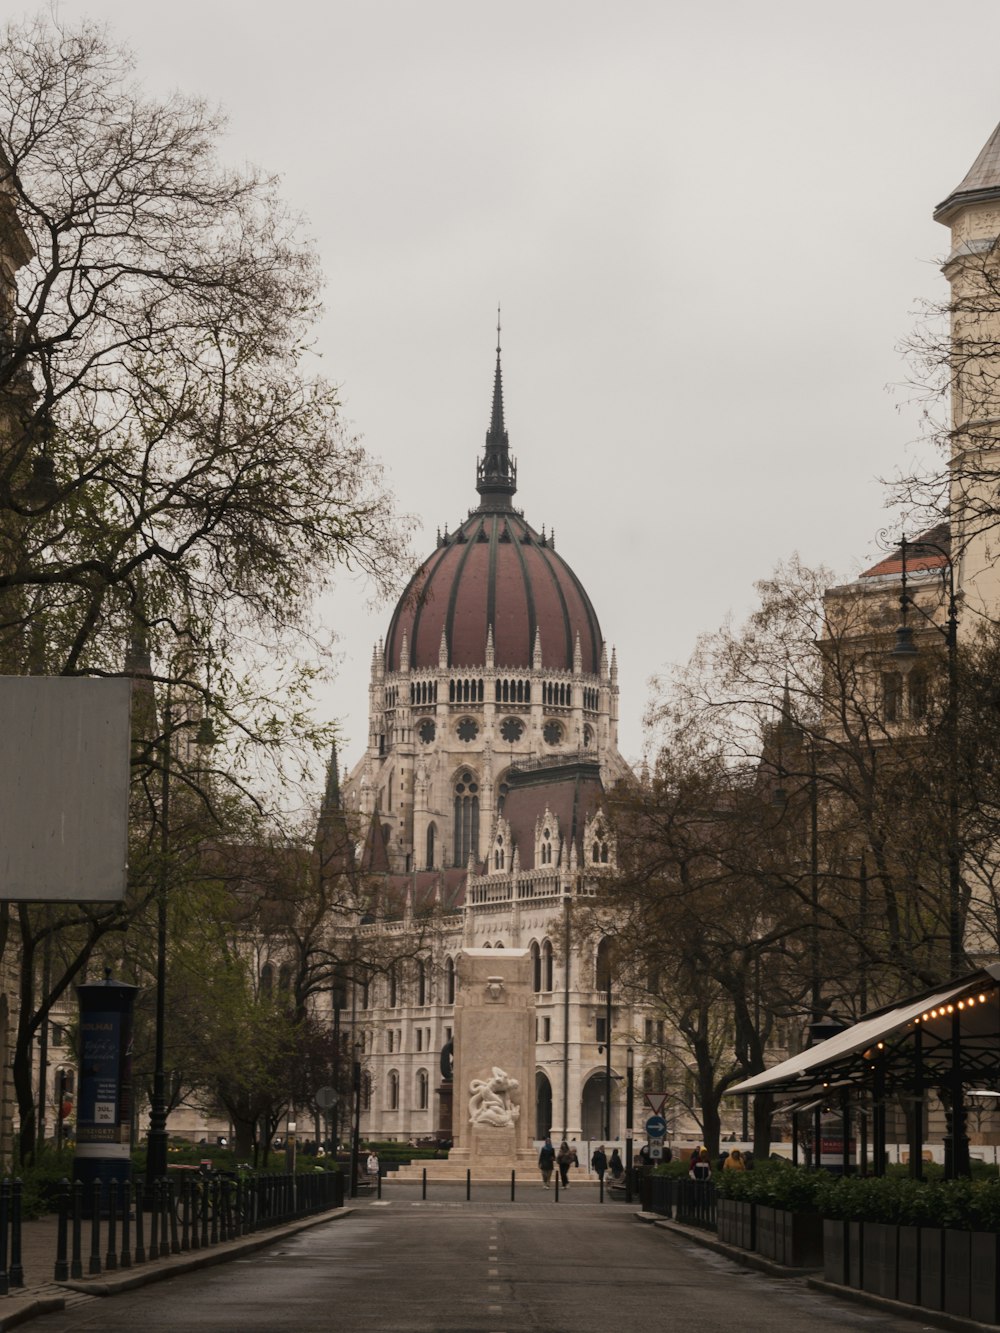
x: 543, y: 1106
x: 592, y: 1108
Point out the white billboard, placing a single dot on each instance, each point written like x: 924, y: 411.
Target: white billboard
x: 64, y: 778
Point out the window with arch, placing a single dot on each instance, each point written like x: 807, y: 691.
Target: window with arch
x: 421, y: 981
x: 423, y: 1089
x: 466, y: 817
x: 431, y: 839
x: 366, y: 1090
x: 536, y: 967
x: 546, y: 849
x: 599, y: 850
x: 487, y: 945
x: 602, y: 965
x: 285, y: 978
x: 392, y: 1091
x: 498, y: 945
x: 654, y: 1079
x: 449, y: 980
x: 267, y: 980
x: 392, y: 984
x: 588, y: 735
x: 546, y: 965
x: 499, y: 857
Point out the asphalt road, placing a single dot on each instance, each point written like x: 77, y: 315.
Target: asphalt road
x: 447, y: 1266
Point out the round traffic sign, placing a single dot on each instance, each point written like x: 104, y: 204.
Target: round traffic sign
x: 656, y: 1127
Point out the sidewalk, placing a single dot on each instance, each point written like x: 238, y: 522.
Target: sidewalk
x: 41, y: 1294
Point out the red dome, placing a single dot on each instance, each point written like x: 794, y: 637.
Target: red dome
x: 495, y: 570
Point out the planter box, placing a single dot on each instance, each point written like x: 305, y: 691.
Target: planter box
x: 984, y: 1282
x: 932, y: 1268
x: 855, y: 1255
x: 725, y: 1221
x: 767, y: 1243
x: 835, y: 1251
x: 747, y: 1215
x: 800, y: 1238
x: 880, y: 1244
x: 957, y: 1272
x: 908, y: 1266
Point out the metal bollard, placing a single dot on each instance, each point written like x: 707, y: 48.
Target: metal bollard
x: 557, y: 1186
x: 61, y: 1270
x: 169, y: 1201
x: 602, y: 1190
x: 185, y: 1213
x: 468, y: 1184
x: 76, y: 1262
x: 16, y: 1274
x: 512, y: 1175
x: 378, y: 1184
x: 423, y: 1183
x: 95, y: 1229
x: 111, y: 1254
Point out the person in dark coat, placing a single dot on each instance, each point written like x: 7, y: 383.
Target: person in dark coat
x: 546, y: 1161
x: 617, y: 1165
x: 599, y: 1162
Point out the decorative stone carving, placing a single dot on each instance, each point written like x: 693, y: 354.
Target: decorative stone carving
x: 494, y: 988
x: 492, y: 1101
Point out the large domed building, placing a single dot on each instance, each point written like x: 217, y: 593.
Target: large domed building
x: 493, y: 728
x: 494, y: 660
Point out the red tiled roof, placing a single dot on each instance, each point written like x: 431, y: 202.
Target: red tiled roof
x: 921, y: 553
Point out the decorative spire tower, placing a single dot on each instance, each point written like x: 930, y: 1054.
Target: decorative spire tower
x: 496, y: 471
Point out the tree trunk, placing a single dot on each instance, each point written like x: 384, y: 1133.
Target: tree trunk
x: 763, y: 1105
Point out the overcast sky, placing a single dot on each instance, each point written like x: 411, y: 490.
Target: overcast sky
x: 709, y: 226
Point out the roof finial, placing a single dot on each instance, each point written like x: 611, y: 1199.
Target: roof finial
x: 498, y: 333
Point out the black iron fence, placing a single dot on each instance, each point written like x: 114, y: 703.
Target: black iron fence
x: 121, y: 1224
x: 689, y: 1201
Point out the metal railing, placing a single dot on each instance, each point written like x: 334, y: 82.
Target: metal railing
x: 691, y: 1202
x: 130, y: 1224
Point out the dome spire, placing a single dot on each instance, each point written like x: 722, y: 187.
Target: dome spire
x: 496, y: 471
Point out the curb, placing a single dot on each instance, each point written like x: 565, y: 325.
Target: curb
x: 746, y: 1258
x: 901, y: 1309
x: 161, y: 1269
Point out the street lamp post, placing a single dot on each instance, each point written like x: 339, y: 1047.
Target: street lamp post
x: 904, y: 654
x: 156, y: 1144
x: 356, y: 1133
x: 629, y: 1086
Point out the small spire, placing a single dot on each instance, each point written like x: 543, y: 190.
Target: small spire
x: 496, y: 471
x: 404, y: 654
x: 331, y: 800
x: 577, y: 656
x: 536, y: 660
x: 614, y: 665
x: 443, y: 650
x: 604, y: 658
x: 490, y: 654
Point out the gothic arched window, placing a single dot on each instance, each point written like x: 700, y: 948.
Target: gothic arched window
x: 393, y: 1090
x: 422, y: 1089
x: 267, y: 979
x: 421, y: 981
x: 431, y: 835
x: 466, y: 818
x: 498, y: 854
x: 602, y: 969
x: 547, y: 848
x: 536, y: 967
x: 449, y: 980
x: 546, y: 965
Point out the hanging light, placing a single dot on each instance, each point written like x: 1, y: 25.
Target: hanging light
x: 904, y: 651
x: 206, y: 737
x: 42, y: 488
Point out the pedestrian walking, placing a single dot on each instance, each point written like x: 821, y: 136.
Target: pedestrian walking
x: 564, y: 1158
x: 599, y: 1162
x: 617, y: 1165
x: 701, y: 1169
x: 372, y: 1167
x: 546, y: 1161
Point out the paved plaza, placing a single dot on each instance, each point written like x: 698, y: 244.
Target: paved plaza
x: 444, y: 1265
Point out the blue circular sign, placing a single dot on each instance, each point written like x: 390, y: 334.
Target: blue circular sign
x: 656, y: 1127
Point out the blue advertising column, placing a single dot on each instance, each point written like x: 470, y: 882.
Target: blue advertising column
x: 104, y: 1097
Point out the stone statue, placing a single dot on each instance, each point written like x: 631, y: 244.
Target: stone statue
x: 448, y: 1060
x: 492, y: 1101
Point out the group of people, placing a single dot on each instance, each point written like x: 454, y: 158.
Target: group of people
x: 566, y: 1156
x: 700, y: 1166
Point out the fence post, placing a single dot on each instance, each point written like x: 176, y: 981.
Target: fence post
x: 601, y: 1200
x: 76, y: 1263
x: 4, y: 1233
x: 556, y: 1174
x: 125, y: 1261
x: 95, y: 1229
x: 61, y: 1271
x: 203, y: 1208
x: 468, y: 1184
x: 512, y: 1175
x: 154, y: 1220
x: 111, y: 1254
x: 140, y: 1244
x: 16, y: 1274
